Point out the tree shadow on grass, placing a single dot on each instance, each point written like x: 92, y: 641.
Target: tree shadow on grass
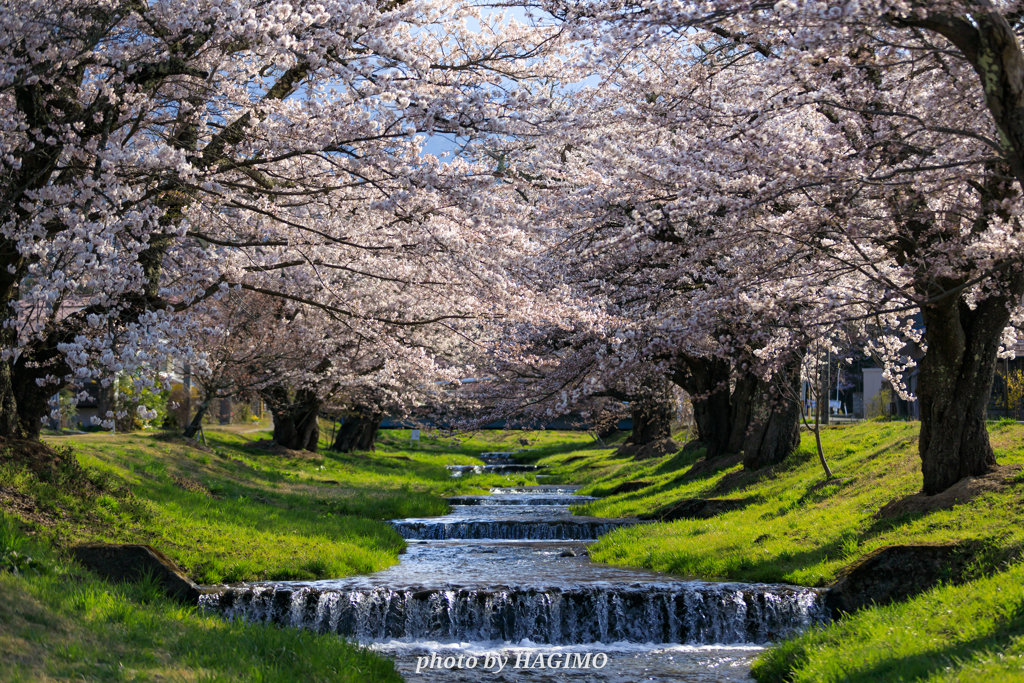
x: 743, y: 477
x: 883, y: 526
x: 382, y: 465
x: 684, y: 458
x: 740, y: 479
x: 769, y: 569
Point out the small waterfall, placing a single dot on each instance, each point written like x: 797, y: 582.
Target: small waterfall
x: 523, y: 500
x: 536, y: 490
x: 561, y: 530
x: 510, y: 573
x: 682, y: 612
x: 494, y: 469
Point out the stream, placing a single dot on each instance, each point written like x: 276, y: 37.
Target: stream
x: 501, y: 589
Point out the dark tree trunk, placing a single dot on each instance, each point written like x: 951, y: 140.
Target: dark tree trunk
x: 750, y: 416
x: 357, y: 432
x: 23, y: 403
x: 8, y: 404
x: 707, y: 382
x: 295, y: 418
x: 651, y: 422
x: 312, y: 431
x: 743, y: 404
x: 652, y: 416
x: 774, y: 428
x: 954, y: 389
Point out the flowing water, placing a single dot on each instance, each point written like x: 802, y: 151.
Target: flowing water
x: 498, y: 467
x: 502, y: 589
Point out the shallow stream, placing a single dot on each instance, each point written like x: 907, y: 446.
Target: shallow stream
x: 502, y: 590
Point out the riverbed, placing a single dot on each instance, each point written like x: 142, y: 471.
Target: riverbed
x: 502, y: 589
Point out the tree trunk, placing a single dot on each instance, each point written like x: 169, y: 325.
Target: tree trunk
x: 774, y: 429
x: 8, y: 404
x: 707, y: 382
x: 652, y: 416
x: 357, y: 432
x: 197, y: 421
x: 651, y: 422
x: 743, y: 403
x: 753, y: 417
x: 311, y: 429
x: 954, y: 388
x: 295, y: 419
x: 23, y: 403
x: 823, y: 406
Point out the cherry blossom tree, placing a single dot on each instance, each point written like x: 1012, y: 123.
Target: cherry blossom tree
x: 156, y: 155
x: 237, y: 353
x: 877, y: 141
x: 665, y: 295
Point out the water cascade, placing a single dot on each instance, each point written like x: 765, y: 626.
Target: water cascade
x: 510, y: 573
x: 677, y: 612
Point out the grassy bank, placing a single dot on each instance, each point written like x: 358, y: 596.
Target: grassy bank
x: 241, y: 509
x: 60, y: 623
x: 794, y: 527
x: 235, y: 509
x: 973, y: 632
x: 539, y: 443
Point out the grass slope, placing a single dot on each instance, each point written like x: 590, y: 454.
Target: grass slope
x: 973, y: 632
x: 796, y: 528
x: 235, y: 510
x: 60, y: 623
x: 238, y: 510
x: 793, y: 527
x: 491, y: 440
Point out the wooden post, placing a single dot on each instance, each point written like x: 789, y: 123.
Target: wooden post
x: 1006, y: 385
x: 187, y: 385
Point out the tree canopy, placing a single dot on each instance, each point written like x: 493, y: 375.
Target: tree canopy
x: 704, y: 194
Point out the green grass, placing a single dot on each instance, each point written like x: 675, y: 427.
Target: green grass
x: 794, y: 527
x: 240, y: 511
x: 235, y: 510
x: 472, y: 444
x: 62, y: 623
x: 973, y: 633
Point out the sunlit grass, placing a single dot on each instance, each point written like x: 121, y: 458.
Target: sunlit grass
x: 794, y: 527
x: 237, y: 511
x: 234, y: 510
x: 972, y: 633
x: 64, y: 624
